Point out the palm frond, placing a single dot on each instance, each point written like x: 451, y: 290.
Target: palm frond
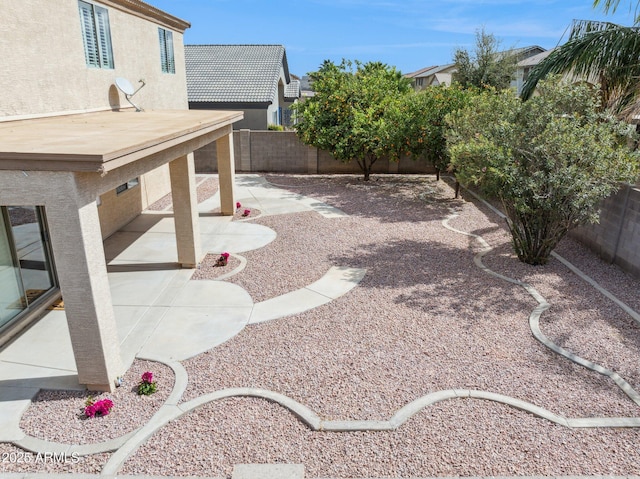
x: 598, y: 52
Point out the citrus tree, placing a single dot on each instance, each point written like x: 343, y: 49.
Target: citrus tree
x: 347, y: 116
x: 549, y: 160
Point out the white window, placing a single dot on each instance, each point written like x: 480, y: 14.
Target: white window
x: 166, y: 51
x: 96, y: 35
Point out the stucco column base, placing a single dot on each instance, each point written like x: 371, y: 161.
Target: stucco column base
x: 226, y: 174
x: 185, y: 210
x: 76, y: 240
x: 101, y: 387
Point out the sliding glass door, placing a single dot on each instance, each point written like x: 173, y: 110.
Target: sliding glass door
x: 26, y: 269
x: 11, y: 290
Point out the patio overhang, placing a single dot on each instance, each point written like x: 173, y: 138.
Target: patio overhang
x: 103, y: 141
x: 65, y: 163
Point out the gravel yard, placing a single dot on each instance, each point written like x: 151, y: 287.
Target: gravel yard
x: 423, y: 319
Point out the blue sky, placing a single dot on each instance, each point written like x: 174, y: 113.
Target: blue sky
x: 408, y: 34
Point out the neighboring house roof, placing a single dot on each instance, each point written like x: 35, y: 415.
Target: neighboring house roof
x: 534, y: 60
x: 292, y: 90
x: 418, y: 72
x: 524, y: 52
x: 427, y: 72
x: 235, y: 73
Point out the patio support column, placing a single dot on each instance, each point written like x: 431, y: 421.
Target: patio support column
x: 226, y: 174
x: 76, y: 241
x: 185, y: 210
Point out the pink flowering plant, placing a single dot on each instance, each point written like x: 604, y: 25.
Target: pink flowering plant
x: 223, y: 259
x: 238, y: 205
x: 98, y: 408
x: 247, y: 212
x: 147, y: 385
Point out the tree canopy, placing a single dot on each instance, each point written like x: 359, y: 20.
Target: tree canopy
x: 550, y: 160
x: 485, y: 66
x: 347, y: 116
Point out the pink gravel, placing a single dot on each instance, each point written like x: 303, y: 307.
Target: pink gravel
x: 58, y: 416
x: 423, y: 319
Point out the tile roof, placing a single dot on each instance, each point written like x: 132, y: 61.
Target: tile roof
x: 535, y: 59
x: 234, y: 73
x: 418, y: 72
x: 426, y: 72
x: 292, y: 90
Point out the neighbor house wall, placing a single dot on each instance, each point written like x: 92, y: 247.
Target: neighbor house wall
x: 255, y: 116
x: 44, y: 72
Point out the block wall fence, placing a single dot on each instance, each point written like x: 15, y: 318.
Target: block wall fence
x: 282, y: 152
x: 616, y: 238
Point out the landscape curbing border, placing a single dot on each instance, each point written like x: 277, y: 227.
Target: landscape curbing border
x: 534, y: 317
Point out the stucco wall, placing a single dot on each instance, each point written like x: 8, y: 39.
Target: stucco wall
x: 44, y: 72
x: 117, y: 210
x: 44, y: 68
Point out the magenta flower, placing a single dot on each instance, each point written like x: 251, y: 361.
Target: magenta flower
x: 99, y: 408
x: 238, y: 205
x: 246, y: 213
x: 147, y: 377
x: 225, y: 255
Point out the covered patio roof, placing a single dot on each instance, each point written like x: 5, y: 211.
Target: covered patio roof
x: 65, y: 163
x: 102, y: 141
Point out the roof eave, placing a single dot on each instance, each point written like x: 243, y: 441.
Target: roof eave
x: 149, y: 12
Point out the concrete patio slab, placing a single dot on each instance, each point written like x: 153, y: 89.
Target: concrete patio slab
x: 188, y: 331
x: 213, y: 294
x: 131, y: 344
x: 134, y: 247
x: 126, y: 291
x: 237, y: 237
x: 151, y: 222
x: 49, y: 346
x: 19, y: 375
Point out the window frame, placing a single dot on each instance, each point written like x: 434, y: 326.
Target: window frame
x: 167, y: 56
x: 96, y: 35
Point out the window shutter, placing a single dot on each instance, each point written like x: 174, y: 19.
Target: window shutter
x: 167, y: 61
x: 163, y: 50
x: 171, y: 64
x: 89, y: 34
x: 104, y: 35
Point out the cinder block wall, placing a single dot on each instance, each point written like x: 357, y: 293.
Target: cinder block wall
x: 283, y: 152
x: 617, y: 237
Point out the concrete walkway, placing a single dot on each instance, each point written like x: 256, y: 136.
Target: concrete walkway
x: 160, y: 312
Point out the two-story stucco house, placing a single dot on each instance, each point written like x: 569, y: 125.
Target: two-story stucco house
x: 77, y: 161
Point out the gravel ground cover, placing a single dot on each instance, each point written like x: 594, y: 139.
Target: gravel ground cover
x: 423, y: 319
